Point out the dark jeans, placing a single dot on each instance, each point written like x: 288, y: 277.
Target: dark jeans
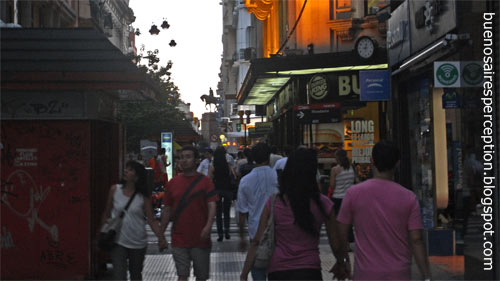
x: 223, y: 206
x: 135, y: 257
x: 296, y: 274
x: 337, y: 203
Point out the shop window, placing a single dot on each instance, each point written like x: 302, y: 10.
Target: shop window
x: 373, y: 6
x: 339, y: 7
x: 421, y: 147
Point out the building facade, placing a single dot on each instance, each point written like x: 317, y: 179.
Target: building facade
x: 113, y: 18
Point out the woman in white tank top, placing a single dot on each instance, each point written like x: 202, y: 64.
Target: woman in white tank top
x: 342, y: 176
x: 131, y: 242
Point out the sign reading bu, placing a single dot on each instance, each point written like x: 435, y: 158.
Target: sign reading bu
x: 318, y: 113
x: 375, y: 85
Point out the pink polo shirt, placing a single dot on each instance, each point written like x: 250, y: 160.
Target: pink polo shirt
x: 382, y: 213
x: 295, y: 248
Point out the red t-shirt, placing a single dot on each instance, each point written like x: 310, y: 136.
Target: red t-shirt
x: 194, y: 216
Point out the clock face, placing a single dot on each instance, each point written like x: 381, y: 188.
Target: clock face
x: 365, y: 48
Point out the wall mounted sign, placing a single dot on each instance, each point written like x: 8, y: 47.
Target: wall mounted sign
x: 446, y: 74
x: 471, y: 74
x: 429, y: 21
x: 375, y: 85
x: 318, y: 113
x: 450, y: 99
x: 398, y: 35
x: 318, y: 87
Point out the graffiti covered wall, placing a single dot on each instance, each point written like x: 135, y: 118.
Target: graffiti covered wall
x: 45, y: 199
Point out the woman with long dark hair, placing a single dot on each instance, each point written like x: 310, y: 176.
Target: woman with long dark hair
x: 342, y: 176
x: 131, y: 242
x: 221, y: 175
x: 299, y: 212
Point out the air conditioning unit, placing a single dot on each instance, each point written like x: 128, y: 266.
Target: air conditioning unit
x: 247, y: 54
x: 234, y: 109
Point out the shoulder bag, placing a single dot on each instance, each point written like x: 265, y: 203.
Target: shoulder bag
x: 111, y: 228
x: 265, y: 249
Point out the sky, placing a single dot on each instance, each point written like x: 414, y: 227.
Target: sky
x: 196, y: 27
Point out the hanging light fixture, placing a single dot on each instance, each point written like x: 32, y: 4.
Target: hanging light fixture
x: 154, y: 30
x: 137, y: 32
x: 172, y: 43
x: 165, y: 24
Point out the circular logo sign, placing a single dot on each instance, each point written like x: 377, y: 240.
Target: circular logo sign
x: 447, y: 74
x: 318, y: 87
x: 473, y: 73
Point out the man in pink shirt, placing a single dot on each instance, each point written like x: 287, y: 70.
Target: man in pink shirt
x: 387, y: 223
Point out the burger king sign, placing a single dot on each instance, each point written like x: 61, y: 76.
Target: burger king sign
x: 318, y: 87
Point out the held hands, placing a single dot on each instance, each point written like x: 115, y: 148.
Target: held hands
x: 341, y: 271
x: 205, y: 233
x: 162, y: 243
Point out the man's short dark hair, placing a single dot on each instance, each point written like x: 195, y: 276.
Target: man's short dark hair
x: 261, y: 152
x: 274, y: 149
x: 163, y: 150
x: 193, y: 149
x: 287, y: 149
x: 385, y: 155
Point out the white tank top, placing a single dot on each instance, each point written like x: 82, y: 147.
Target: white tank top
x: 343, y: 181
x: 133, y: 232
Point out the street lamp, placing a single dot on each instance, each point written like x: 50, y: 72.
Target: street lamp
x: 247, y: 113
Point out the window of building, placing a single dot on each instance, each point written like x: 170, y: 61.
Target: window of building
x: 338, y: 7
x: 373, y: 6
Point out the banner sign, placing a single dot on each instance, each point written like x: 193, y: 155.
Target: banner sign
x: 375, y: 85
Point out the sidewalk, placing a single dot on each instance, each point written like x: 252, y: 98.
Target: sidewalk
x: 227, y: 261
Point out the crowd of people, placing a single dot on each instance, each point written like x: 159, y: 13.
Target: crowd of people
x: 279, y: 191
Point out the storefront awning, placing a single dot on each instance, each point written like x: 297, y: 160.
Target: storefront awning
x: 267, y: 76
x: 69, y: 59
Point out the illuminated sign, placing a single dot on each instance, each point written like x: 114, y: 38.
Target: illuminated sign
x: 167, y: 143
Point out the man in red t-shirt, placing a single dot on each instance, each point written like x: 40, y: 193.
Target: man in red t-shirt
x: 190, y: 204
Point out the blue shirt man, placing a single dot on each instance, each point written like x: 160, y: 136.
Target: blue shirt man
x: 253, y: 192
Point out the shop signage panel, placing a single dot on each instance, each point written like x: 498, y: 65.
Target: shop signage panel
x: 318, y: 87
x: 167, y: 143
x: 318, y: 113
x: 263, y: 128
x: 450, y: 99
x: 398, y: 35
x: 471, y: 74
x: 375, y: 85
x: 446, y: 74
x: 429, y: 21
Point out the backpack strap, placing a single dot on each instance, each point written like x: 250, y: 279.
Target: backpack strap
x: 184, y: 202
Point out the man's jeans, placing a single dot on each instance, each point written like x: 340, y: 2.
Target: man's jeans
x: 259, y: 274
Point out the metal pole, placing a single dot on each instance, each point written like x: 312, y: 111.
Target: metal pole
x: 245, y: 131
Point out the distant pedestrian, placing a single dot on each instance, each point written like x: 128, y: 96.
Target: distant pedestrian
x: 247, y: 167
x: 240, y: 161
x: 130, y: 249
x: 274, y: 156
x: 190, y: 205
x: 280, y: 164
x: 221, y: 174
x: 205, y: 164
x: 299, y: 212
x: 253, y: 192
x: 386, y: 217
x: 160, y: 169
x: 342, y: 176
